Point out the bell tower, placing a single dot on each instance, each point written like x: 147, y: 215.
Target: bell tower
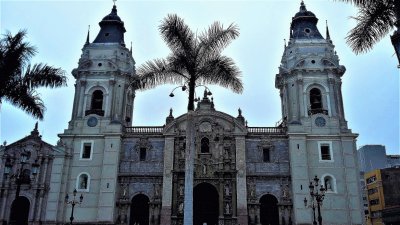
x: 320, y: 143
x: 103, y: 105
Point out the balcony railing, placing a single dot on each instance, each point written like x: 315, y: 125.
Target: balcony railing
x: 144, y: 130
x: 266, y: 130
x: 316, y: 111
x: 99, y: 112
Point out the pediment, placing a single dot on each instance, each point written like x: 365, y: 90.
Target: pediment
x: 207, y: 121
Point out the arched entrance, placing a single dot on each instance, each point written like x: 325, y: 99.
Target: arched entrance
x: 20, y: 211
x: 139, y: 210
x: 269, y: 214
x: 205, y: 204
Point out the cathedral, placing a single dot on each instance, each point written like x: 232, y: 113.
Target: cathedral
x: 242, y: 175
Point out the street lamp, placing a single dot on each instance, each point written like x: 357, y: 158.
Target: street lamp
x: 317, y: 196
x: 73, y: 202
x: 190, y: 153
x: 184, y: 88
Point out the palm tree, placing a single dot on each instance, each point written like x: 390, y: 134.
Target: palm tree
x: 19, y: 79
x: 194, y: 60
x: 375, y: 19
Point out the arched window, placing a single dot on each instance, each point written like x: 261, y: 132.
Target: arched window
x: 97, y: 100
x: 329, y: 183
x: 205, y: 145
x: 315, y: 99
x: 83, y: 182
x: 96, y: 104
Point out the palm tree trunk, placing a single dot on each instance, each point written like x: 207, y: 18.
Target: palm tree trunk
x: 192, y: 87
x: 190, y: 153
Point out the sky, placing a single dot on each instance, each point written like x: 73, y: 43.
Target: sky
x: 58, y: 29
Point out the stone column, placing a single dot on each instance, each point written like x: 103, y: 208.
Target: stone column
x: 241, y: 196
x: 167, y: 181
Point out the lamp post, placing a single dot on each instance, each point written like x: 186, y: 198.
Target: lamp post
x: 317, y: 196
x: 73, y: 202
x: 189, y: 156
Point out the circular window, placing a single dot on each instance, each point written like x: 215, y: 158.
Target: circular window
x: 100, y: 64
x: 313, y: 61
x: 107, y: 34
x: 307, y: 30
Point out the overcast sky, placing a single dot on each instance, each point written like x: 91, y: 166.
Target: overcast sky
x: 58, y: 29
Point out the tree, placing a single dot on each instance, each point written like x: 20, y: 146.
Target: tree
x: 375, y: 19
x: 19, y: 79
x: 194, y: 60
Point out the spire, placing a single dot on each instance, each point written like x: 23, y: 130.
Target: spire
x: 328, y: 37
x: 302, y: 6
x: 87, y: 37
x: 131, y: 47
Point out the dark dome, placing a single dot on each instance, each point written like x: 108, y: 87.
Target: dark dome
x: 112, y: 29
x: 304, y: 25
x: 113, y: 15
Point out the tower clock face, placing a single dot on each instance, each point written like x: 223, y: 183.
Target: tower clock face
x: 92, y: 121
x: 320, y: 121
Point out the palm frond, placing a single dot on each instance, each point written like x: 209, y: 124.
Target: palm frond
x: 358, y: 3
x: 222, y: 71
x: 177, y: 35
x: 15, y: 54
x: 216, y: 38
x: 27, y: 100
x: 42, y: 75
x: 156, y: 72
x: 374, y: 21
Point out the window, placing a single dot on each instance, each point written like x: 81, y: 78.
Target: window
x: 315, y: 99
x: 83, y: 182
x: 86, y: 150
x: 266, y: 155
x: 325, y: 151
x: 97, y: 100
x: 205, y: 145
x: 372, y: 191
x: 371, y: 179
x: 142, y: 154
x: 374, y: 202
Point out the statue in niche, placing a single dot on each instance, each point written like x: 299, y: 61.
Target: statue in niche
x: 124, y: 190
x: 182, y: 153
x: 226, y: 154
x: 180, y: 209
x: 328, y: 185
x: 227, y: 190
x: 285, y: 191
x: 227, y: 208
x: 181, y: 190
x: 156, y: 190
x: 204, y: 166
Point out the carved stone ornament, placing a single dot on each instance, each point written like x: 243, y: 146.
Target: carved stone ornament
x: 143, y: 143
x: 205, y: 127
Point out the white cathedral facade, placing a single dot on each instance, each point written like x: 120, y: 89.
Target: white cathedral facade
x: 242, y: 175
